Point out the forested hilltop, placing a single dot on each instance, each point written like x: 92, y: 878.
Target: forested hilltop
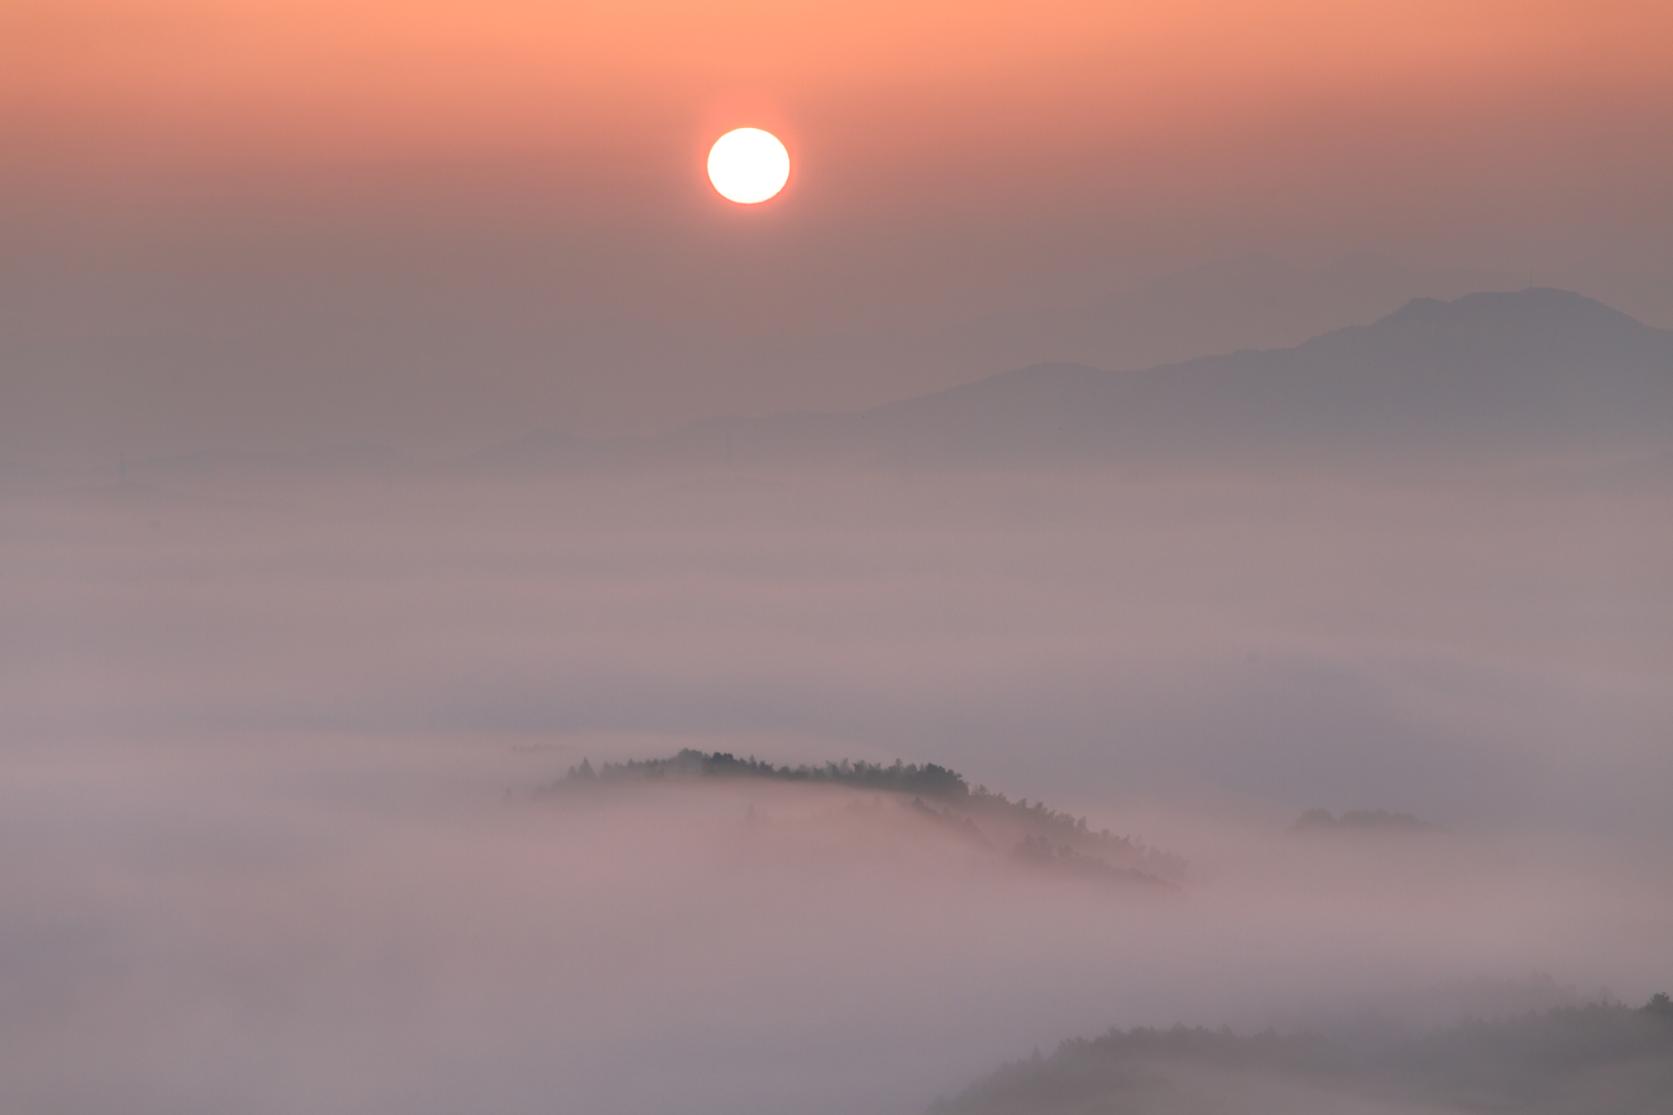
x: 1601, y: 1059
x: 1029, y: 831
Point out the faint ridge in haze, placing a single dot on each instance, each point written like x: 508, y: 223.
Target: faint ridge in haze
x: 1536, y: 370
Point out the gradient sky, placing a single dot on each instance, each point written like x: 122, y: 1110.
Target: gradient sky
x: 440, y: 222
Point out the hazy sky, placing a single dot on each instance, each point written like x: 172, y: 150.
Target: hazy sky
x: 441, y: 222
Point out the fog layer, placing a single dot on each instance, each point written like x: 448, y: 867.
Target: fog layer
x: 271, y: 753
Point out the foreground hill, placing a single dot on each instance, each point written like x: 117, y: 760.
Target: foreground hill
x: 933, y: 798
x: 1594, y: 1060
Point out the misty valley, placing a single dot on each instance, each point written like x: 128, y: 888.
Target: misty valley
x: 1066, y: 743
x: 1527, y: 1045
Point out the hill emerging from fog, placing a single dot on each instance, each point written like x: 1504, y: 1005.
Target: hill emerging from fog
x: 933, y: 801
x: 1361, y: 822
x: 1537, y: 370
x: 1572, y: 1061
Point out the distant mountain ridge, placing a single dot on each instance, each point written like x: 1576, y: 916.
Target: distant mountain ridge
x: 1535, y: 368
x: 1538, y: 370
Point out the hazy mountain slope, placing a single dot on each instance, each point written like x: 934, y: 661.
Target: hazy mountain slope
x: 1222, y: 305
x: 1603, y: 1058
x: 1535, y: 369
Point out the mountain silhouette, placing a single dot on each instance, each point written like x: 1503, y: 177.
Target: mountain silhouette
x: 1537, y: 369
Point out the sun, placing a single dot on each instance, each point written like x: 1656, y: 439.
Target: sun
x: 748, y: 165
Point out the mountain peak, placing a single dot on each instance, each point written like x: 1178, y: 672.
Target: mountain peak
x: 1510, y: 306
x: 1537, y: 325
x: 1536, y: 367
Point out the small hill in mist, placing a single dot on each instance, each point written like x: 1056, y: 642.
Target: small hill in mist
x: 1590, y: 1059
x: 1371, y: 822
x: 938, y: 801
x: 1536, y: 370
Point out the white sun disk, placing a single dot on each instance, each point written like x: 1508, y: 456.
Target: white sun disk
x: 748, y: 165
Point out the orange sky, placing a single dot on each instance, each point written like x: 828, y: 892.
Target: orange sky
x: 956, y: 161
x: 169, y: 86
